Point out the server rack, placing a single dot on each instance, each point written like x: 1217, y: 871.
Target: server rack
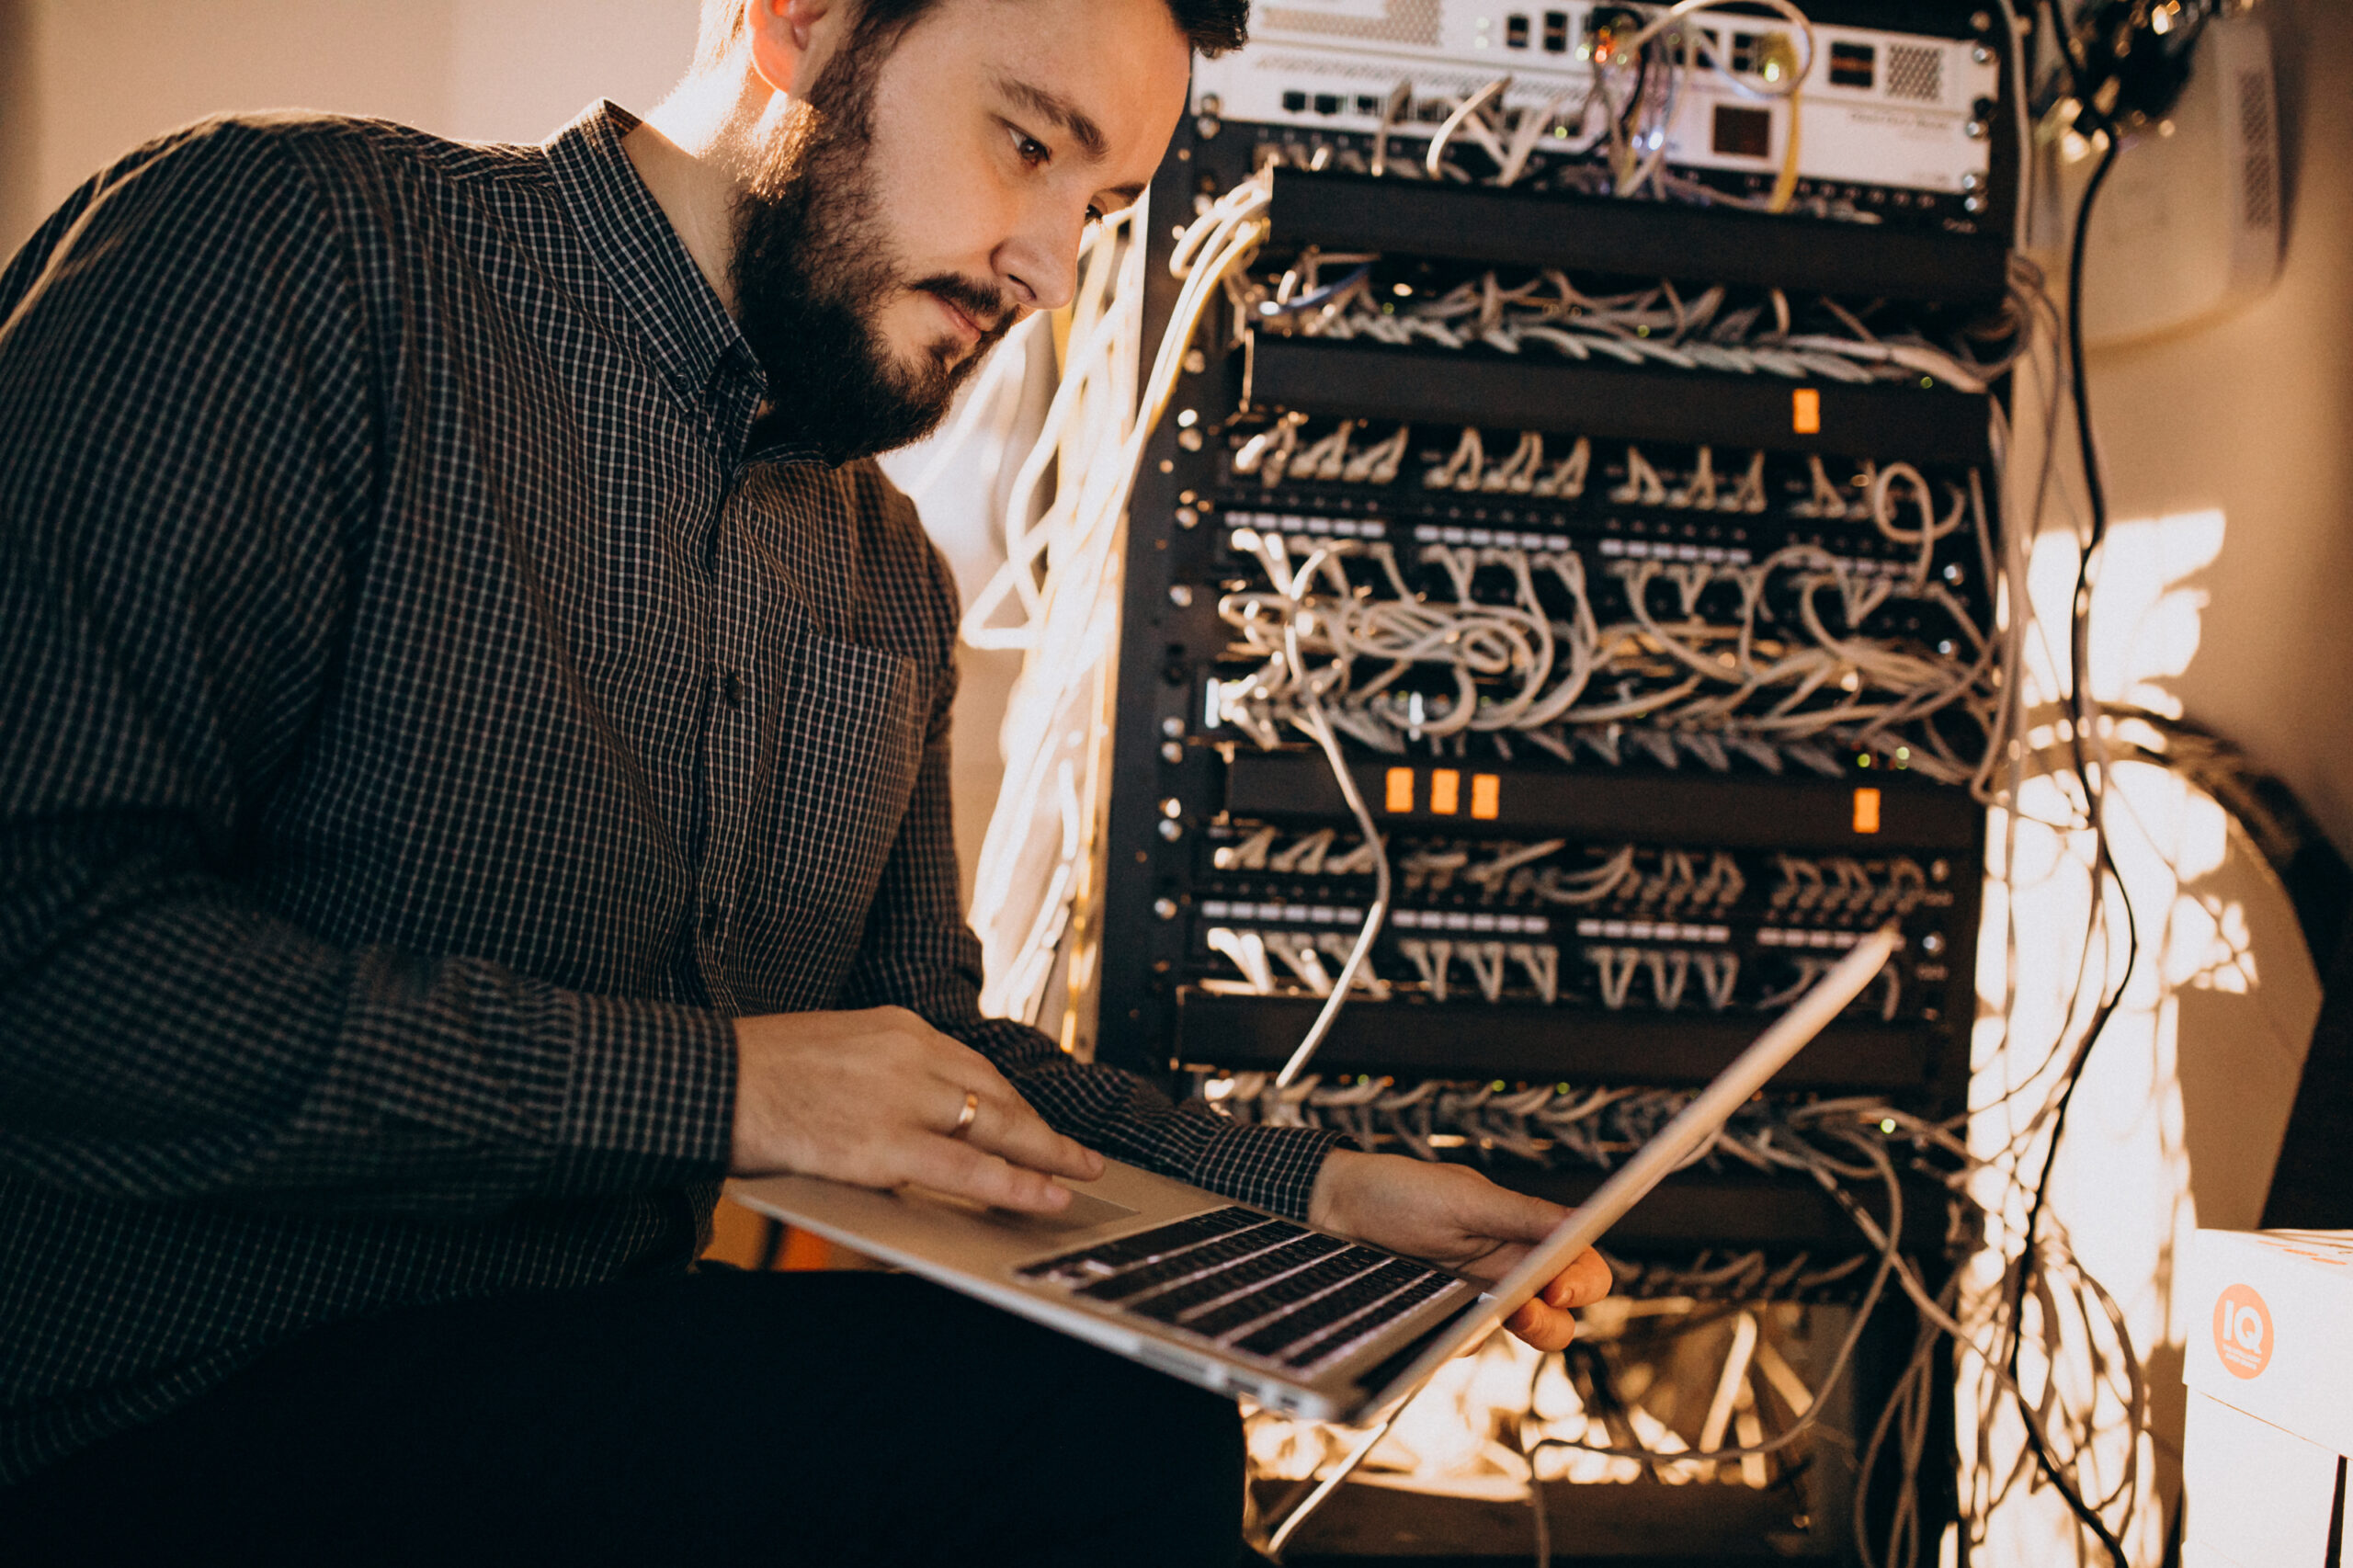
x: 1212, y: 856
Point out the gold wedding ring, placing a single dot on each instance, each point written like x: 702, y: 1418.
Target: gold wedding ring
x: 964, y: 1118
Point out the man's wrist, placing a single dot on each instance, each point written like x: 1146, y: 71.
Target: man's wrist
x: 1327, y: 1205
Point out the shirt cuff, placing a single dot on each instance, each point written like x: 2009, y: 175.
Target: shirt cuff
x: 652, y: 1096
x: 1273, y: 1167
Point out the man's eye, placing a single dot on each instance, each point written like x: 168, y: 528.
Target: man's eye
x: 1030, y: 150
x: 1094, y: 213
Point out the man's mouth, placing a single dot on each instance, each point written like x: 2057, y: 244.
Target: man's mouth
x: 961, y: 320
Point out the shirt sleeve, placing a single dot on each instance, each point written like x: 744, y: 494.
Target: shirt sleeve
x: 192, y: 414
x: 919, y: 953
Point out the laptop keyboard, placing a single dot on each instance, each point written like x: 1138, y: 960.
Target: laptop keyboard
x: 1260, y: 1285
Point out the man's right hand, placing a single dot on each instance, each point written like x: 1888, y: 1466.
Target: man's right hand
x: 872, y: 1097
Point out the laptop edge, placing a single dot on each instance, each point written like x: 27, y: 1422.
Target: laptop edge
x: 921, y: 1233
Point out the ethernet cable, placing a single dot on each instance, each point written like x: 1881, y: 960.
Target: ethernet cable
x: 1731, y: 683
x: 1061, y: 576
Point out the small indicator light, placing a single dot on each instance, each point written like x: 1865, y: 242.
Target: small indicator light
x: 1866, y: 811
x: 1487, y: 796
x: 1805, y: 411
x: 1401, y: 789
x: 1445, y: 792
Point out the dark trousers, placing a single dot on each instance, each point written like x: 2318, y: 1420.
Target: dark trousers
x: 717, y: 1417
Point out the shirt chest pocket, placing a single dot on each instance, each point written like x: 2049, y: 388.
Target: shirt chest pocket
x: 847, y: 745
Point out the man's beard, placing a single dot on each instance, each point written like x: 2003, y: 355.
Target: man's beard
x: 812, y: 276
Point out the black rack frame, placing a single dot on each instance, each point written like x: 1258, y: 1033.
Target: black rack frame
x: 1151, y: 1021
x: 1510, y: 228
x: 1482, y: 386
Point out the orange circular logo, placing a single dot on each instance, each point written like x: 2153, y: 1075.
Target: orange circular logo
x: 2242, y: 1332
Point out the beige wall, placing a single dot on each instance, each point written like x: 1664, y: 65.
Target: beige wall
x: 2253, y: 414
x: 81, y: 81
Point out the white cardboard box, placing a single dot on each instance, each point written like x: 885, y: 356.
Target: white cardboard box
x: 2269, y: 1316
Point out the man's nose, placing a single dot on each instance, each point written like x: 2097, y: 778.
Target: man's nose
x: 1040, y: 261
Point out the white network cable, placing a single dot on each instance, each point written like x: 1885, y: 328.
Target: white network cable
x: 1633, y: 129
x: 1649, y: 326
x: 1517, y: 670
x: 1841, y: 1145
x: 1060, y: 583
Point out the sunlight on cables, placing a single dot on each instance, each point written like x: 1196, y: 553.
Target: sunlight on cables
x: 2121, y: 1192
x: 1644, y: 1369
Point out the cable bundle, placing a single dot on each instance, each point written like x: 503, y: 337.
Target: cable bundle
x: 1648, y: 326
x: 1855, y: 1150
x: 1544, y: 666
x: 1622, y: 114
x: 1062, y: 578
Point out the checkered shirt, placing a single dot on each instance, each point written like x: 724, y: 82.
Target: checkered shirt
x: 431, y: 706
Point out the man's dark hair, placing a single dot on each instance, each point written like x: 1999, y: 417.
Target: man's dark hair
x: 1212, y: 26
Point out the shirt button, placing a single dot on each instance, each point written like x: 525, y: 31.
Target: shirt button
x: 713, y: 914
x: 731, y: 689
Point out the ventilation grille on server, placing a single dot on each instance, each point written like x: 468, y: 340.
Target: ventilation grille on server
x: 1915, y: 71
x: 2258, y: 172
x: 1401, y: 21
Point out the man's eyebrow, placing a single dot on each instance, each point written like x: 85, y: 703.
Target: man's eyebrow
x: 1061, y: 111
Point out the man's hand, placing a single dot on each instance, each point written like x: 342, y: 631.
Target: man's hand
x: 872, y: 1097
x: 1454, y: 1217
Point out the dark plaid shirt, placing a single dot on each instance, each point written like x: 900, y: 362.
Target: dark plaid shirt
x: 427, y: 714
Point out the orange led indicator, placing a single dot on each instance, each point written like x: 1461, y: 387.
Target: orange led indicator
x: 1445, y: 792
x: 1487, y: 796
x: 1805, y: 411
x: 1866, y: 811
x: 1401, y: 789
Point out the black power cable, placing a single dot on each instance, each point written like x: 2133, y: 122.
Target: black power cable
x: 2084, y: 715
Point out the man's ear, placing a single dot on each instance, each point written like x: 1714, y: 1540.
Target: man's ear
x: 791, y: 40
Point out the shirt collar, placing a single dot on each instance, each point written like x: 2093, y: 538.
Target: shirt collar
x: 692, y: 336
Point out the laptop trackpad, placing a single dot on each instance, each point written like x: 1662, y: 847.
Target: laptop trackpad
x: 1086, y: 1213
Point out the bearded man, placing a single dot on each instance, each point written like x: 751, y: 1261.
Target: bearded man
x: 475, y: 774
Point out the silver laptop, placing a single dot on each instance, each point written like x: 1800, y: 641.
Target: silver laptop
x: 1242, y: 1302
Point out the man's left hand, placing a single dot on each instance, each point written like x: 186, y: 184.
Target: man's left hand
x: 1456, y: 1218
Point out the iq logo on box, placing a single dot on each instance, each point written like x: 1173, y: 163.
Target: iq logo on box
x: 2242, y: 1331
